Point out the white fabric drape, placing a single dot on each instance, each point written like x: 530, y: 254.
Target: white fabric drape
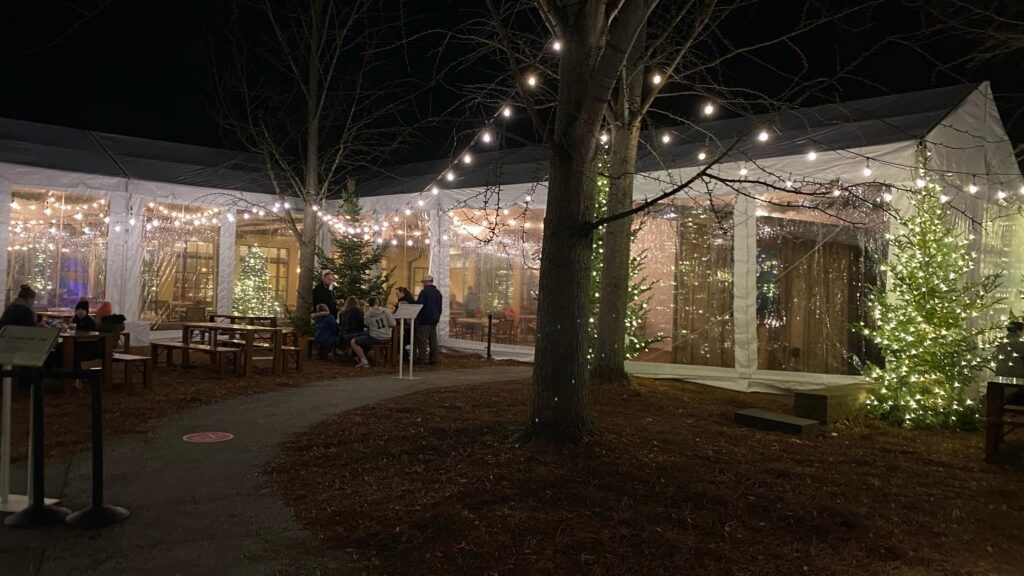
x: 5, y: 236
x: 226, y: 263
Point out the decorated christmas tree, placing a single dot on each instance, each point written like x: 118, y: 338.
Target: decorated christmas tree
x: 636, y: 309
x: 929, y: 321
x: 253, y: 295
x: 355, y: 259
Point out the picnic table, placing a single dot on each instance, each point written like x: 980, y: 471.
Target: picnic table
x: 999, y: 415
x: 71, y: 338
x: 212, y: 330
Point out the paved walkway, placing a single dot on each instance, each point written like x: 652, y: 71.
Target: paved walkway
x: 203, y: 508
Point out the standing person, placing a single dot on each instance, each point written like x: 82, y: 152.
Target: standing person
x: 325, y: 330
x: 404, y: 296
x: 379, y: 323
x: 351, y: 321
x: 19, y: 312
x: 472, y: 302
x: 427, y: 319
x: 323, y: 293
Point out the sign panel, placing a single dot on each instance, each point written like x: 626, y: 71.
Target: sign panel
x: 408, y: 311
x: 26, y: 346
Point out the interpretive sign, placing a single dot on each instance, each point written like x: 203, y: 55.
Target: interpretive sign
x: 407, y: 311
x: 26, y: 346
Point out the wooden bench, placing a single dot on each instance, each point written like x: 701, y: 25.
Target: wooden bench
x: 219, y: 355
x: 133, y: 362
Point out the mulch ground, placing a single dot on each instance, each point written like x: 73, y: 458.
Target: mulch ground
x: 131, y: 409
x: 431, y: 484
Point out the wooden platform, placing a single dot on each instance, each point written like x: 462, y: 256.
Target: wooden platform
x: 775, y: 422
x: 829, y: 405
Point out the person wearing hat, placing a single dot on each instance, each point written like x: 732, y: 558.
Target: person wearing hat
x: 426, y: 321
x: 19, y: 312
x: 82, y: 321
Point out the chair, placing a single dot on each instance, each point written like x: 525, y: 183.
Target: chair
x: 195, y: 313
x: 505, y: 332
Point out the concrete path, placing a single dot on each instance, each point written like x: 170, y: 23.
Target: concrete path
x: 203, y: 508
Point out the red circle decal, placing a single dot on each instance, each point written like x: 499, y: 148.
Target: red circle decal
x: 204, y: 437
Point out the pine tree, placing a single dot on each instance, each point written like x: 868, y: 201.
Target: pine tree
x: 636, y: 310
x: 356, y: 258
x: 253, y: 295
x: 928, y: 322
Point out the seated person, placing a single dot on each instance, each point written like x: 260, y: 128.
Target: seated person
x: 81, y: 320
x: 1010, y: 360
x: 351, y: 321
x: 20, y: 312
x: 509, y: 312
x: 379, y: 323
x: 85, y: 351
x: 325, y: 330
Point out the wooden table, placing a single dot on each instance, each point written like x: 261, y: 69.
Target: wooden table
x: 995, y: 413
x: 270, y: 321
x: 71, y: 338
x: 248, y: 333
x: 60, y: 315
x: 477, y: 324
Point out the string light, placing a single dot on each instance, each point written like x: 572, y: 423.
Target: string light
x: 920, y: 182
x: 1001, y: 195
x: 556, y: 46
x: 812, y: 156
x: 867, y: 168
x: 466, y: 158
x: 604, y: 137
x: 743, y: 170
x: 656, y: 79
x: 702, y: 155
x: 449, y: 176
x: 434, y: 190
x: 531, y: 80
x: 506, y: 111
x: 763, y: 136
x: 665, y: 138
x: 486, y: 137
x: 709, y: 109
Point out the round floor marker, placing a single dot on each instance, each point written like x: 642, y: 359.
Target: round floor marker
x: 205, y: 437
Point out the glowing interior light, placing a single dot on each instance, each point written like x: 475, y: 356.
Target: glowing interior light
x: 78, y: 216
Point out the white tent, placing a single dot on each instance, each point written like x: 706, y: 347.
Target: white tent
x: 959, y: 126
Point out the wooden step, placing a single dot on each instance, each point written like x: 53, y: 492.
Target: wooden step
x: 830, y: 405
x: 775, y: 422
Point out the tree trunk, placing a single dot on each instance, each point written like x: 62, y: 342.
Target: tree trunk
x: 310, y: 219
x: 561, y: 388
x: 610, y: 345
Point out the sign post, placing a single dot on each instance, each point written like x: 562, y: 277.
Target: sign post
x: 407, y: 312
x: 27, y: 347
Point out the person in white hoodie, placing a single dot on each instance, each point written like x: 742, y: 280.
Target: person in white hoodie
x: 379, y: 321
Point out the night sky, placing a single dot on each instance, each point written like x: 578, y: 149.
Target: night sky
x: 141, y: 68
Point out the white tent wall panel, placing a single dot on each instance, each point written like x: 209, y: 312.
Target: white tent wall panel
x: 6, y: 191
x: 226, y: 264
x: 134, y: 255
x: 745, y: 286
x: 440, y: 263
x: 117, y: 252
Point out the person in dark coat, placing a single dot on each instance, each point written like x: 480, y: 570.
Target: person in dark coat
x: 404, y: 296
x: 325, y: 330
x: 427, y: 319
x: 323, y: 293
x: 81, y: 320
x: 351, y: 321
x: 19, y: 312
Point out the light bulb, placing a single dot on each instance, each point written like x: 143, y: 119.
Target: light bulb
x: 812, y: 155
x: 466, y: 158
x: 531, y: 80
x: 528, y: 198
x: 434, y: 190
x: 743, y: 171
x: 943, y: 198
x: 419, y: 202
x: 867, y: 170
x: 920, y: 182
x: 486, y: 137
x: 506, y: 111
x: 1001, y: 194
x: 763, y: 136
x: 709, y: 109
x: 702, y: 155
x: 556, y: 46
x: 666, y: 138
x: 449, y: 176
x: 887, y: 197
x: 408, y: 212
x: 394, y: 242
x: 656, y: 79
x: 789, y: 183
x: 604, y: 137
x: 77, y: 216
x: 131, y: 221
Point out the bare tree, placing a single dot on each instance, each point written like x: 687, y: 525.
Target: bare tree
x: 312, y: 88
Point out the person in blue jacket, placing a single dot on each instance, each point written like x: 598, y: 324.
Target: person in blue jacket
x: 426, y: 321
x: 325, y: 330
